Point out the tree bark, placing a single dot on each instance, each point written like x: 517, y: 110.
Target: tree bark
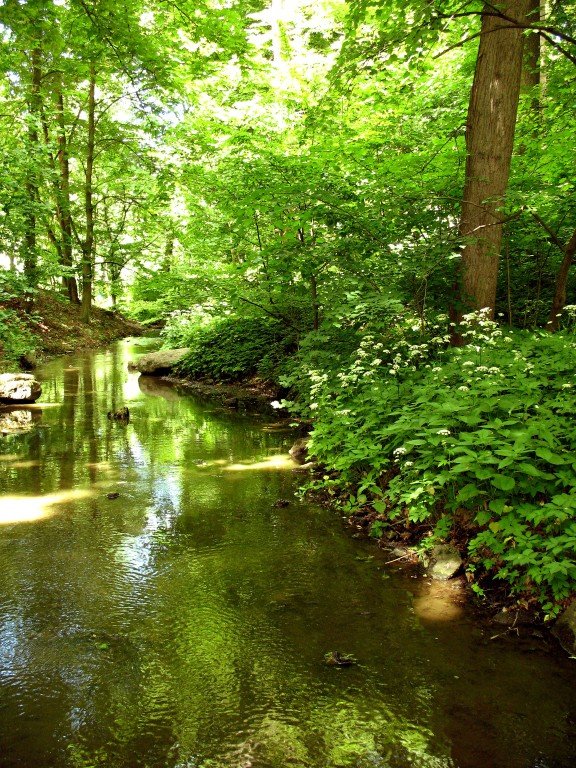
x: 88, y: 243
x: 531, y: 68
x: 30, y: 254
x: 65, y: 217
x: 559, y: 300
x: 490, y: 139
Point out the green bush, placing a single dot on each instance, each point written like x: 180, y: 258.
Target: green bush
x: 478, y: 442
x: 233, y: 348
x: 16, y: 338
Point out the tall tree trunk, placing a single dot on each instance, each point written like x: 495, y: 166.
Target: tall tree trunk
x: 489, y: 138
x: 65, y: 217
x: 88, y: 243
x: 30, y: 253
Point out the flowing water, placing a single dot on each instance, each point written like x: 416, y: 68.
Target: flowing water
x: 185, y: 620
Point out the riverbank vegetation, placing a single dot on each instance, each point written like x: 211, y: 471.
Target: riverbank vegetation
x: 369, y: 204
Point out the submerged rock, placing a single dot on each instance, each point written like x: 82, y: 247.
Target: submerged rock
x: 123, y: 415
x: 445, y: 562
x: 337, y: 659
x: 565, y: 629
x: 19, y: 388
x: 516, y: 617
x: 159, y: 363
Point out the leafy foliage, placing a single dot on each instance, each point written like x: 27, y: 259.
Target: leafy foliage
x: 236, y: 347
x: 15, y: 336
x: 482, y: 437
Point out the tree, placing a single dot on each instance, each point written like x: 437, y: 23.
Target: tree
x: 490, y: 131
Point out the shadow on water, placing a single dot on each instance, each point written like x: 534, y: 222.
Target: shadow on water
x: 158, y: 609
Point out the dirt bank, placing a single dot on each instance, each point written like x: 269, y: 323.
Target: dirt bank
x: 56, y: 328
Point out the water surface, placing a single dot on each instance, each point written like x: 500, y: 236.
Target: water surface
x: 185, y: 621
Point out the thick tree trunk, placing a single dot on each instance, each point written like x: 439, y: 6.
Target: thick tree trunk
x: 490, y: 138
x: 88, y: 244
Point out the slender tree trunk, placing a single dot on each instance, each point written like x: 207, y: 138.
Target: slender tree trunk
x: 489, y: 138
x: 65, y: 217
x: 315, y: 305
x: 30, y: 252
x: 88, y: 244
x: 559, y: 300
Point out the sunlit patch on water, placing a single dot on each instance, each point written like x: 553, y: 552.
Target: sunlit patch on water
x: 24, y: 464
x: 439, y: 601
x: 280, y: 461
x: 8, y: 457
x: 28, y: 509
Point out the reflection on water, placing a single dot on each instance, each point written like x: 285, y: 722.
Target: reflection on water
x: 157, y: 609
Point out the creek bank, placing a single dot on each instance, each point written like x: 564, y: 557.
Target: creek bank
x: 55, y: 328
x: 501, y: 616
x: 252, y: 395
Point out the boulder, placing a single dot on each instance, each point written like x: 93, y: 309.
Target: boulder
x: 299, y: 451
x: 445, y: 562
x: 159, y: 363
x: 19, y: 388
x: 565, y: 629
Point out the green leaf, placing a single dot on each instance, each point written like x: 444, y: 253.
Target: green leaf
x: 549, y: 456
x: 498, y: 506
x: 530, y: 469
x: 468, y: 492
x: 503, y: 482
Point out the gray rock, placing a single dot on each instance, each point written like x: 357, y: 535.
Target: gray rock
x: 159, y: 363
x: 19, y: 388
x: 299, y: 451
x: 565, y: 629
x: 445, y: 562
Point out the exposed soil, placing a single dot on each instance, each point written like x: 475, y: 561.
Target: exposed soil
x: 56, y: 325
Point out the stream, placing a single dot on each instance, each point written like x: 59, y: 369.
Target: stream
x: 159, y: 609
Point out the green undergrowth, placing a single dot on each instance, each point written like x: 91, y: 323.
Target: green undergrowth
x: 231, y: 348
x: 16, y: 338
x: 474, y: 444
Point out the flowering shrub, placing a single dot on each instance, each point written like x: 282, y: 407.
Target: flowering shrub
x: 481, y: 437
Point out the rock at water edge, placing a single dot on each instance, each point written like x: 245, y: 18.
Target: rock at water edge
x: 19, y: 388
x: 445, y: 562
x: 159, y: 363
x: 565, y: 629
x: 299, y: 451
